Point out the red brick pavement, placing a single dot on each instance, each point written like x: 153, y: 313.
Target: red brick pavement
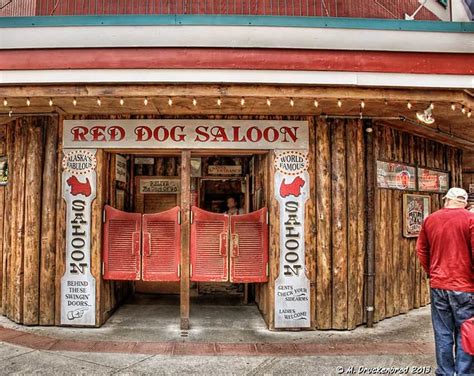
x: 39, y: 342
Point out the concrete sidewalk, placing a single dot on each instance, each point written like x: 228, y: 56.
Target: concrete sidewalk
x: 142, y: 341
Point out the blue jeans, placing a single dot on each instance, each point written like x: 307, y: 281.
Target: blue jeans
x: 449, y: 309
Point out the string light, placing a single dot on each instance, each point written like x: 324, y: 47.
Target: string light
x: 242, y: 101
x: 74, y: 102
x: 122, y: 101
x: 50, y: 102
x: 409, y: 105
x: 339, y: 103
x: 453, y: 107
x: 10, y: 112
x: 195, y: 102
x: 28, y: 102
x: 362, y: 104
x: 170, y: 102
x: 463, y: 109
x: 99, y: 102
x: 292, y: 102
x: 5, y: 102
x: 145, y: 101
x: 385, y: 102
x: 269, y: 102
x: 219, y: 102
x: 316, y: 104
x: 432, y: 105
x: 469, y: 114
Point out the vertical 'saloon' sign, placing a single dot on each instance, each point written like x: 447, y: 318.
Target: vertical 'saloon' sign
x: 77, y: 283
x: 292, y: 289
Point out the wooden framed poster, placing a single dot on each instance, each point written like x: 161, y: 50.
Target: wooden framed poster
x: 430, y: 180
x: 415, y: 209
x: 394, y: 175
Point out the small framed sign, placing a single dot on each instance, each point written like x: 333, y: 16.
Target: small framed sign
x: 430, y: 180
x: 415, y: 209
x: 394, y: 175
x: 160, y: 185
x: 3, y: 171
x: 224, y: 170
x: 120, y: 168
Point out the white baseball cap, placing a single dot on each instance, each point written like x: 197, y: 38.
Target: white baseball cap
x: 457, y: 194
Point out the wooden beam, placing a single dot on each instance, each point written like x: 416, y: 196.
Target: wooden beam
x: 231, y: 90
x: 185, y: 232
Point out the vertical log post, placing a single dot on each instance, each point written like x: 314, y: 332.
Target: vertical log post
x: 323, y: 236
x: 33, y: 186
x: 48, y: 220
x: 370, y: 219
x: 185, y: 232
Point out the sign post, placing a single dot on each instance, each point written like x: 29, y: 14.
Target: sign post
x: 77, y: 283
x: 292, y: 287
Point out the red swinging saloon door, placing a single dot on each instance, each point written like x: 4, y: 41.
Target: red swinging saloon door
x: 249, y: 247
x: 209, y: 257
x: 161, y: 246
x: 121, y: 248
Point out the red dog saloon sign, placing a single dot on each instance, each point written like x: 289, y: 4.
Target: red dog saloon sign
x: 77, y: 283
x: 186, y: 133
x: 292, y: 290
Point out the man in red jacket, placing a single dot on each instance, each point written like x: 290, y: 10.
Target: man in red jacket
x: 445, y: 248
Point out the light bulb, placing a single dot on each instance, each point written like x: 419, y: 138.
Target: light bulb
x: 219, y: 101
x: 122, y: 101
x: 339, y: 103
x: 432, y: 105
x: 385, y: 102
x: 28, y: 102
x: 316, y: 104
x: 74, y: 102
x: 170, y: 102
x: 50, y: 102
x: 453, y: 107
x: 99, y: 102
x: 145, y: 101
x: 292, y: 102
x: 5, y: 102
x: 463, y: 109
x: 242, y: 101
x: 269, y: 102
x: 362, y: 104
x: 195, y: 102
x: 409, y: 105
x: 469, y: 114
x: 10, y: 112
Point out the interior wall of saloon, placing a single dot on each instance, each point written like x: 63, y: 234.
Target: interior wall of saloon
x: 346, y: 158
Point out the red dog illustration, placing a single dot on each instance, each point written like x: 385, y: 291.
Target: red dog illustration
x: 291, y: 189
x: 78, y: 188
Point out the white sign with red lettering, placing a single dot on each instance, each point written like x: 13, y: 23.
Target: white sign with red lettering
x: 77, y: 283
x: 186, y: 133
x: 292, y: 288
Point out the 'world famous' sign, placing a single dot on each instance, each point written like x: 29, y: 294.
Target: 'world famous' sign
x: 77, y: 283
x: 292, y: 288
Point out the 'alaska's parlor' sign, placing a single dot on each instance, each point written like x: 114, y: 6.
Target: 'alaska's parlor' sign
x: 186, y: 133
x: 77, y: 283
x: 292, y: 289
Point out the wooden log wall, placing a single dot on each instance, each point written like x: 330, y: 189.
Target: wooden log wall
x: 33, y: 229
x: 29, y: 236
x: 340, y: 223
x: 400, y: 282
x: 468, y: 170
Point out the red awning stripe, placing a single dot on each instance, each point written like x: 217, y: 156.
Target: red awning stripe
x: 249, y: 59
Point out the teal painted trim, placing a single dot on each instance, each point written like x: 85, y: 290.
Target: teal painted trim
x: 224, y: 20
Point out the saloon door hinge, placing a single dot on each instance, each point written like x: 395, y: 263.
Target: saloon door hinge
x: 179, y: 217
